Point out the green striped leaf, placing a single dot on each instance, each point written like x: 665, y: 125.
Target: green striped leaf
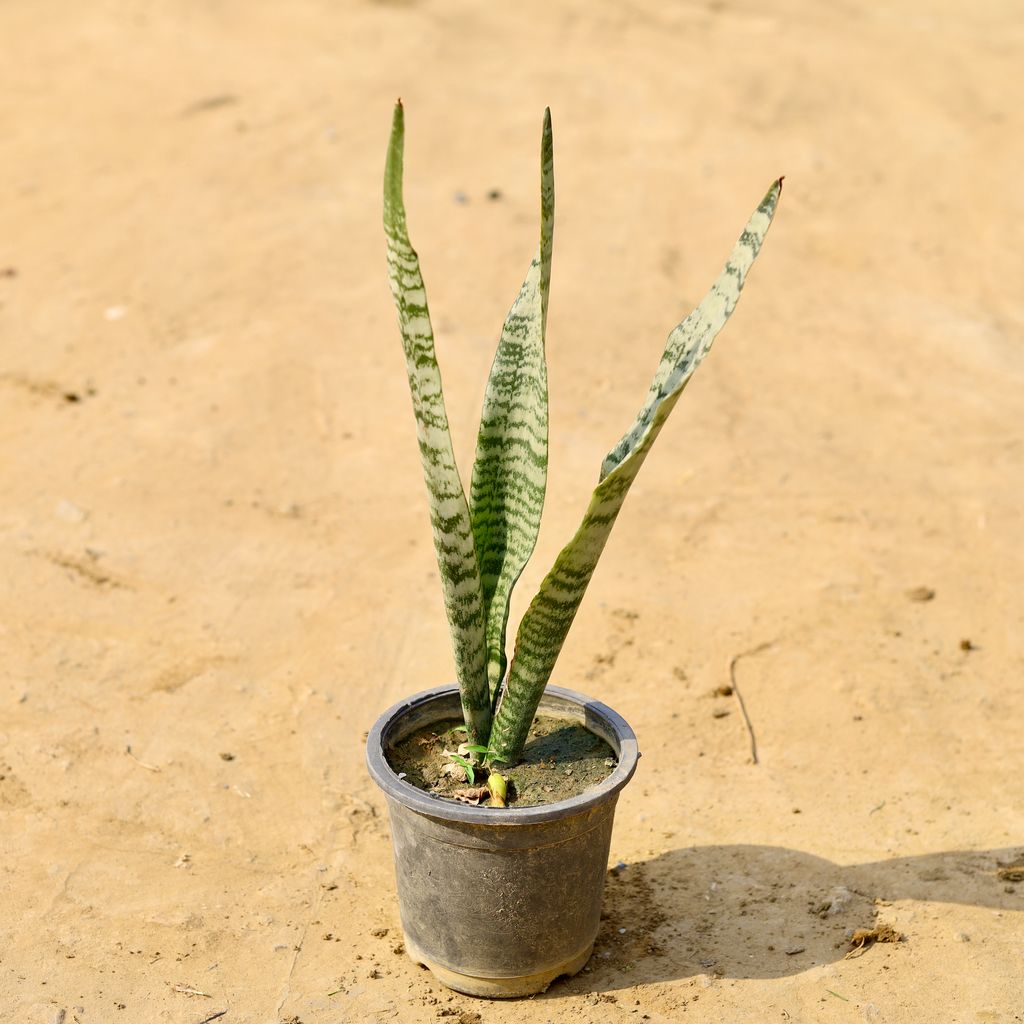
x: 449, y: 510
x: 510, y: 472
x: 547, y: 620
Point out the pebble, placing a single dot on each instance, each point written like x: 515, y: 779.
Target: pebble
x: 70, y: 512
x: 840, y: 899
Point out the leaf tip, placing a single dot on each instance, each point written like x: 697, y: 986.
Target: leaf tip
x: 772, y: 196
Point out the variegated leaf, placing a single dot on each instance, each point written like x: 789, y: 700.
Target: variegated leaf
x: 510, y: 472
x: 449, y: 511
x: 547, y: 620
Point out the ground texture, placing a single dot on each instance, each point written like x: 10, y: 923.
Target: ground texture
x: 215, y: 557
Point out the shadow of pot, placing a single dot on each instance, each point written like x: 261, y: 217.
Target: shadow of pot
x: 499, y: 902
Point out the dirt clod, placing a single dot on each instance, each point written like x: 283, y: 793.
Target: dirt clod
x: 471, y: 795
x: 862, y: 938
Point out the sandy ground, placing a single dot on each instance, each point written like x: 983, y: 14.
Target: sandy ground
x: 214, y: 543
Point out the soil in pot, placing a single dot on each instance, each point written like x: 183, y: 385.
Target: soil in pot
x: 561, y: 759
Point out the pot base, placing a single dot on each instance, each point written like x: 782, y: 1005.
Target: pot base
x: 498, y: 988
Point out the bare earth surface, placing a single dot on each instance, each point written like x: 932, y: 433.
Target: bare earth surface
x: 214, y: 540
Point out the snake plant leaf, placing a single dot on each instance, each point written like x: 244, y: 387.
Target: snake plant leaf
x: 547, y: 620
x: 510, y: 472
x: 449, y: 510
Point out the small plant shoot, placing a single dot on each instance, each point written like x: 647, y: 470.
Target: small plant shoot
x: 484, y: 542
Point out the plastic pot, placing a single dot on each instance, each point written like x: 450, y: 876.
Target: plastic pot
x: 498, y: 902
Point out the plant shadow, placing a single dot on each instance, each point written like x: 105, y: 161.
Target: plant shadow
x: 767, y: 911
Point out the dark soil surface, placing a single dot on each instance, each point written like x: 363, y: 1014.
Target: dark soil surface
x: 561, y: 759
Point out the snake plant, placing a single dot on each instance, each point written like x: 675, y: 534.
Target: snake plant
x: 484, y: 542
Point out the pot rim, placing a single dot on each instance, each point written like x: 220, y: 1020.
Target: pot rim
x: 448, y: 810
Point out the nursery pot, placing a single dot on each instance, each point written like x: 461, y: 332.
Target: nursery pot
x: 498, y: 902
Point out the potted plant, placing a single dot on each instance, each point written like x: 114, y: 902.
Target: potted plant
x: 500, y: 900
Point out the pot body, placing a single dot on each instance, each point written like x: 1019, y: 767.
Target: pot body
x: 499, y: 902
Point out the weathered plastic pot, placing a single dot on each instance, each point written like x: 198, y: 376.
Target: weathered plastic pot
x: 499, y: 902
